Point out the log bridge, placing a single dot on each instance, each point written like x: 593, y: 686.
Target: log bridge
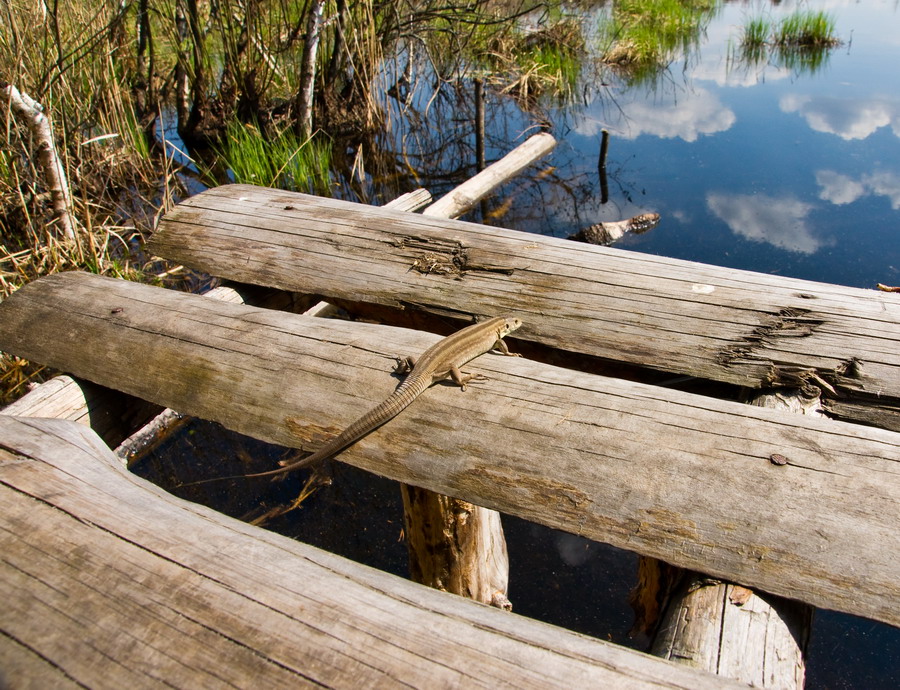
x: 109, y: 580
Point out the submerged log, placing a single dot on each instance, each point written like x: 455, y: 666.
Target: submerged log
x: 109, y: 582
x: 470, y: 192
x: 610, y: 231
x: 742, y: 493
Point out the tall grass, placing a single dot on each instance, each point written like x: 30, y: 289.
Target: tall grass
x: 285, y: 161
x: 69, y: 58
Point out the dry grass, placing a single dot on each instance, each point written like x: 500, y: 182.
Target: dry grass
x: 71, y: 66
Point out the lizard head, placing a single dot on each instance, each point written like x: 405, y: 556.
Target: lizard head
x: 510, y: 323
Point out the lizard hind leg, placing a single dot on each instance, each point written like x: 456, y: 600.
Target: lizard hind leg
x: 404, y: 365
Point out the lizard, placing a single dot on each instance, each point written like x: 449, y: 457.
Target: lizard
x: 439, y: 362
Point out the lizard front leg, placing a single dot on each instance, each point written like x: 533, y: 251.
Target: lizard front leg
x: 461, y: 378
x: 501, y: 348
x: 404, y: 365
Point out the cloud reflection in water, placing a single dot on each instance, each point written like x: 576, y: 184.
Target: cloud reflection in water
x: 840, y: 189
x: 780, y: 221
x: 846, y: 118
x: 688, y: 117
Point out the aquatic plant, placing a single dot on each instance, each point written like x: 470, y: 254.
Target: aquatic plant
x: 643, y: 35
x: 755, y: 33
x: 285, y: 160
x: 800, y: 41
x: 806, y: 28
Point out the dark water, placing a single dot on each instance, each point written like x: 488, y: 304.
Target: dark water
x: 768, y: 167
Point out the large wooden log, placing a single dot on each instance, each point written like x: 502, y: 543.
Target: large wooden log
x: 739, y: 327
x: 109, y: 582
x: 797, y: 507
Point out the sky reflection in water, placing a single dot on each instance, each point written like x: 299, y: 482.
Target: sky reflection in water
x: 754, y: 166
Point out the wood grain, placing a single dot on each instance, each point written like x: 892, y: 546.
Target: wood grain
x: 109, y: 582
x: 670, y: 475
x: 740, y: 327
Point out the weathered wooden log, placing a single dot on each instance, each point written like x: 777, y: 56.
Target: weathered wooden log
x: 739, y: 327
x: 109, y: 582
x: 473, y: 190
x: 801, y: 508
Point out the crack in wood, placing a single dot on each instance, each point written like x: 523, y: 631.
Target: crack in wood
x: 793, y: 322
x: 789, y: 322
x: 438, y: 256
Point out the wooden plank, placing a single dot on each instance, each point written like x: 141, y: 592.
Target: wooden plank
x: 675, y: 476
x: 740, y: 327
x: 110, y: 582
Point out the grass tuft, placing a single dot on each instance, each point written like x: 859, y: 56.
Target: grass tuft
x: 756, y: 32
x: 644, y: 34
x: 807, y: 28
x: 286, y: 161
